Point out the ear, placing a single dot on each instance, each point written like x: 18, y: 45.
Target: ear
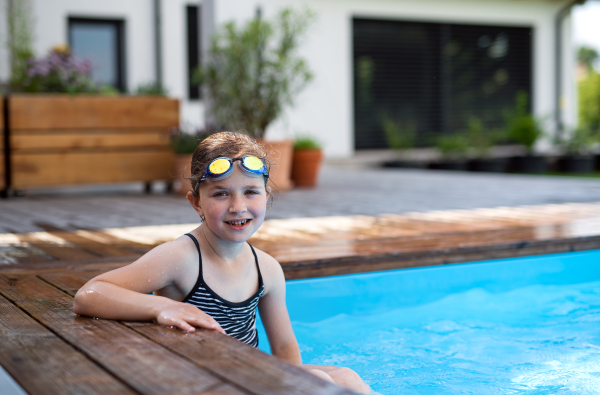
x: 195, y: 202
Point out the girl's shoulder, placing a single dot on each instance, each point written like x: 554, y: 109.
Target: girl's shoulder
x: 270, y: 269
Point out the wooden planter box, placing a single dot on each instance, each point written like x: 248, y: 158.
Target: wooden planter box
x: 2, y: 158
x: 66, y: 139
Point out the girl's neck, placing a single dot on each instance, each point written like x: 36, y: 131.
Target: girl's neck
x: 223, y: 249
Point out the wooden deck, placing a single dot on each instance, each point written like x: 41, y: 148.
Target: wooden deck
x: 47, y: 349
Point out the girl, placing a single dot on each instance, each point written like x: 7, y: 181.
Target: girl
x: 212, y: 278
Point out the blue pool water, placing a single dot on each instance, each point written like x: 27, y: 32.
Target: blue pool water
x: 515, y: 326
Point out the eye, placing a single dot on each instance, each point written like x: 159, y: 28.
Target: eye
x: 252, y: 192
x: 219, y: 194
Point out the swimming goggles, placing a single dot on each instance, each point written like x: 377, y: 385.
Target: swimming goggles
x: 222, y: 167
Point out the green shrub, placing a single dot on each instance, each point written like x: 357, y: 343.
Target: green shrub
x: 482, y: 139
x: 185, y: 143
x: 521, y: 125
x: 306, y: 142
x: 151, y: 89
x: 589, y: 103
x: 399, y: 136
x: 452, y: 146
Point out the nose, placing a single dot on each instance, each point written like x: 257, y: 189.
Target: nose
x: 238, y: 205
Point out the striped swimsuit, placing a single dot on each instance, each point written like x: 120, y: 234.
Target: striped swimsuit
x: 237, y: 319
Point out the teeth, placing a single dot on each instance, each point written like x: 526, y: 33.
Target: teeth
x: 238, y: 223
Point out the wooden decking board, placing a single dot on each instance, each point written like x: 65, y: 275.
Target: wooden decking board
x: 59, y: 252
x: 239, y: 363
x: 85, y: 243
x: 122, y: 352
x: 41, y: 363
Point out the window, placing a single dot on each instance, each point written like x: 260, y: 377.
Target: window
x: 100, y: 41
x: 434, y: 77
x: 193, y: 49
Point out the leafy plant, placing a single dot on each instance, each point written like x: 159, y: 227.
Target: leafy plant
x: 576, y: 142
x: 306, y: 142
x: 399, y: 136
x: 589, y: 103
x: 183, y: 142
x: 59, y: 72
x: 480, y: 138
x: 452, y: 146
x: 18, y: 20
x: 522, y: 126
x: 151, y: 89
x: 587, y: 56
x: 253, y: 73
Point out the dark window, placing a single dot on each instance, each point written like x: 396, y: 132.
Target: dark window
x: 100, y: 41
x: 435, y: 76
x: 193, y: 46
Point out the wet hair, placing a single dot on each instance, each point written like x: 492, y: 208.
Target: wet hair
x: 227, y: 144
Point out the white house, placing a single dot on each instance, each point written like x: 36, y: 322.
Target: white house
x: 428, y: 63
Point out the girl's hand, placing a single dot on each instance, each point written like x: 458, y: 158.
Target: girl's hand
x: 185, y: 317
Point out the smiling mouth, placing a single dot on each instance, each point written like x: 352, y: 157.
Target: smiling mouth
x: 239, y: 222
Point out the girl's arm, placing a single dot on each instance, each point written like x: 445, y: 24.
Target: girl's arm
x: 274, y: 313
x: 123, y: 294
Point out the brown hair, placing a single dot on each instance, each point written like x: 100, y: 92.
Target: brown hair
x: 227, y: 144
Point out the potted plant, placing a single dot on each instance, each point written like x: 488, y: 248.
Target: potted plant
x: 252, y: 74
x: 482, y: 140
x: 453, y: 150
x: 400, y: 137
x: 183, y: 145
x: 576, y: 146
x: 307, y: 161
x: 525, y: 130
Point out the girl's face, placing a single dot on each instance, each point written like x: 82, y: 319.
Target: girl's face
x: 234, y: 208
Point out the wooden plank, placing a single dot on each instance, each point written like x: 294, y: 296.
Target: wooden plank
x: 42, y: 363
x: 82, y: 168
x: 58, y: 251
x: 85, y: 243
x: 239, y: 363
x: 91, y: 111
x: 69, y: 282
x: 144, y: 365
x: 73, y: 140
x: 2, y: 172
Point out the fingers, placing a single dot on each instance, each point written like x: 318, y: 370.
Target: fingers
x: 205, y: 321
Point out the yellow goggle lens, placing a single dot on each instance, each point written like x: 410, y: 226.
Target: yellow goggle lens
x: 219, y: 166
x: 253, y: 163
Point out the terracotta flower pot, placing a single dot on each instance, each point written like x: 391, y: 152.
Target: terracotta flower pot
x: 183, y: 169
x: 280, y: 154
x: 305, y: 168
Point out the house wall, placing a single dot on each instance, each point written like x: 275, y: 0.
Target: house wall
x: 325, y: 108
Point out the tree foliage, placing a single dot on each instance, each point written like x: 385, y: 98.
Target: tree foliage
x: 587, y: 56
x: 589, y: 103
x: 253, y: 72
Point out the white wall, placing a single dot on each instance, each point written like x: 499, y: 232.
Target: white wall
x: 325, y: 108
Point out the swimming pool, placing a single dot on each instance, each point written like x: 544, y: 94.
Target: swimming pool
x: 524, y: 325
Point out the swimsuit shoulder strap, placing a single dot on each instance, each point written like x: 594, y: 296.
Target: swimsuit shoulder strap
x: 200, y: 280
x: 260, y: 280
